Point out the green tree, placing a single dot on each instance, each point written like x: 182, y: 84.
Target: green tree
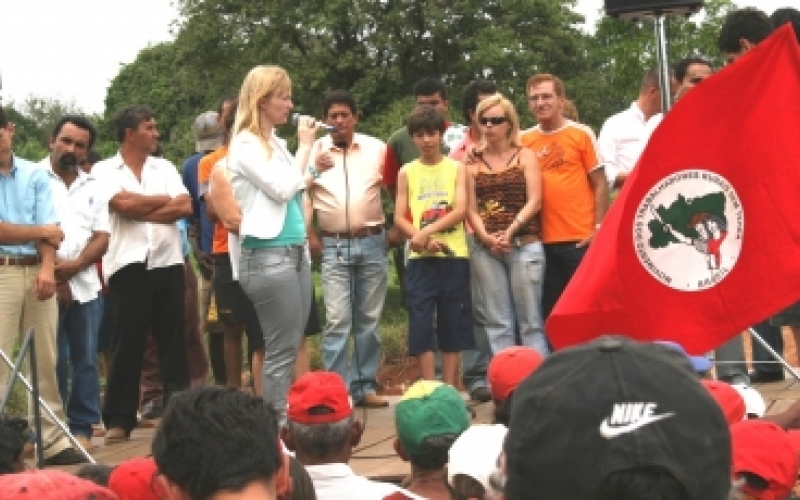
x: 620, y: 52
x: 378, y: 49
x: 157, y: 80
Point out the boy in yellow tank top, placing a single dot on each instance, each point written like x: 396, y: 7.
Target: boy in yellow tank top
x: 430, y: 209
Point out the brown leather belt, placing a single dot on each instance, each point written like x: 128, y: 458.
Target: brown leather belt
x: 10, y: 260
x: 358, y: 233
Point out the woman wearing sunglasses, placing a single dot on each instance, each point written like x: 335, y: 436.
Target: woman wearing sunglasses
x: 504, y: 183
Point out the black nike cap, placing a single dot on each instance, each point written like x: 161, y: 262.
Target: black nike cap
x: 600, y: 419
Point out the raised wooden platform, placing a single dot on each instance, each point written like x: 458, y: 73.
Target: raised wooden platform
x: 375, y: 456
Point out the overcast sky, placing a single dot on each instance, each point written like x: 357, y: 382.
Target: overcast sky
x: 73, y: 49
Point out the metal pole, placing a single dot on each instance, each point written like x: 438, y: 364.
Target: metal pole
x: 774, y: 354
x: 23, y: 350
x: 37, y: 412
x: 660, y: 21
x: 50, y: 413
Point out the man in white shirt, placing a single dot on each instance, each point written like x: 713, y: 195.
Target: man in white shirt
x: 620, y: 138
x: 83, y: 213
x: 347, y: 206
x: 322, y: 432
x: 143, y: 267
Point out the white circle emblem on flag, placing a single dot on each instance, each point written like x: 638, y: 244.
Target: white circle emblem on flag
x: 687, y: 231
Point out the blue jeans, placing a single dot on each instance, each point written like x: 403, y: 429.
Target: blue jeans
x: 476, y: 361
x: 509, y: 288
x: 278, y: 282
x: 354, y: 279
x: 78, y: 325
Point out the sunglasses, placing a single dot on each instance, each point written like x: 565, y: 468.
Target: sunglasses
x: 494, y: 120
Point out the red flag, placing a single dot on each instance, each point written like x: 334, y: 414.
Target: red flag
x: 704, y: 239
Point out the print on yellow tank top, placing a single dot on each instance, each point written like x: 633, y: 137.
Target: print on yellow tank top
x: 431, y: 194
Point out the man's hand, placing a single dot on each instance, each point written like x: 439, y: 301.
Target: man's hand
x: 45, y: 285
x: 314, y: 245
x: 52, y: 235
x: 63, y: 294
x: 394, y: 237
x: 323, y: 161
x: 586, y: 242
x: 66, y: 269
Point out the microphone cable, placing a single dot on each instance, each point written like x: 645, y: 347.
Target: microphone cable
x: 344, y: 146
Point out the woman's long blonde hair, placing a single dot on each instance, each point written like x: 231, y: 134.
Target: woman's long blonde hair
x: 262, y: 82
x: 510, y: 114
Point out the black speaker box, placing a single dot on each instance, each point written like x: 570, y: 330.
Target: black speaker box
x: 631, y: 9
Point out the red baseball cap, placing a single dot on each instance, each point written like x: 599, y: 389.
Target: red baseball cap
x: 765, y: 450
x: 509, y: 367
x: 319, y: 390
x: 134, y: 479
x: 52, y: 484
x: 728, y: 398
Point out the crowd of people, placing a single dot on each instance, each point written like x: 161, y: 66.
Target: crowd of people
x: 490, y: 223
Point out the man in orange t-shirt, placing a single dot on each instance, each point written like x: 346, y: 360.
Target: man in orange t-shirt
x: 574, y: 189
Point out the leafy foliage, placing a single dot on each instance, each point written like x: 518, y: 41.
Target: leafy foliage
x: 378, y: 49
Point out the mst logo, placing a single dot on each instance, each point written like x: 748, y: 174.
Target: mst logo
x: 628, y: 417
x: 687, y: 231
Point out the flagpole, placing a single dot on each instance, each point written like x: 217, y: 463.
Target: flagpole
x: 774, y: 354
x: 660, y: 21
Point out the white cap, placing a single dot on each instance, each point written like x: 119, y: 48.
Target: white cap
x: 475, y: 453
x: 753, y: 402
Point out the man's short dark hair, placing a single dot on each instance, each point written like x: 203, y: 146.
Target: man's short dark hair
x: 430, y: 86
x: 322, y: 441
x: 502, y: 411
x: 338, y: 97
x: 425, y: 119
x: 302, y: 486
x: 650, y: 79
x: 228, y: 98
x: 749, y: 23
x: 3, y: 118
x: 96, y: 473
x: 680, y: 69
x: 230, y: 118
x: 130, y: 118
x: 433, y: 452
x: 213, y: 439
x: 469, y: 101
x: 787, y: 15
x: 79, y: 121
x: 12, y: 441
x: 93, y: 157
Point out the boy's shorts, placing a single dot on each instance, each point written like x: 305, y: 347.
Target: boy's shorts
x: 437, y: 289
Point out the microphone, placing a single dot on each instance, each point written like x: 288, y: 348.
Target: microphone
x: 297, y: 116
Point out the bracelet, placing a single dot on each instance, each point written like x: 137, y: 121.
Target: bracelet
x: 313, y: 172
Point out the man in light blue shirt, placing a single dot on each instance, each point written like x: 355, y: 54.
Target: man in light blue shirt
x: 29, y: 236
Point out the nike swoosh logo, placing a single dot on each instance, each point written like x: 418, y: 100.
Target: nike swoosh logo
x: 609, y: 432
